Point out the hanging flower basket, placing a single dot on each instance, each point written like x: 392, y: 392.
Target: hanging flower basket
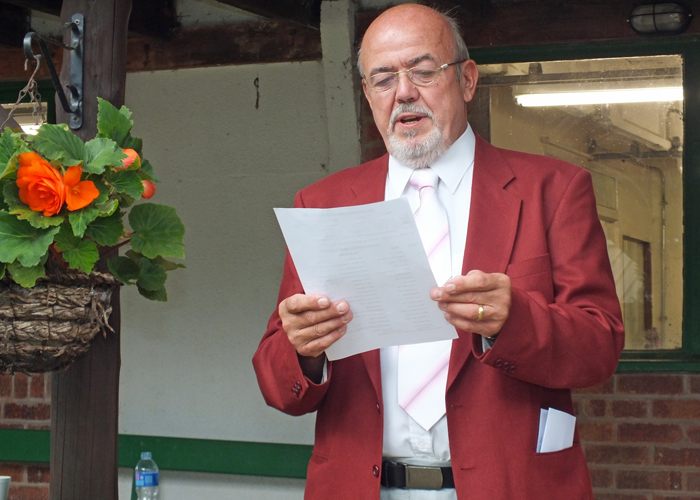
x: 65, y: 206
x: 46, y: 327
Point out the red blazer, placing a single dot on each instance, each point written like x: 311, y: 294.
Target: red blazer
x: 533, y: 218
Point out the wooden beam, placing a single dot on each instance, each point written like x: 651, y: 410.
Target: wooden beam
x: 535, y: 22
x: 15, y: 24
x: 157, y: 18
x: 305, y: 12
x: 85, y: 396
x: 52, y: 7
x: 246, y: 43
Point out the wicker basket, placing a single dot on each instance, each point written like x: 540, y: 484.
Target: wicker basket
x: 46, y: 327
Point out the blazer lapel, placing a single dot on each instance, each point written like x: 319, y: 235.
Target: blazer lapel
x: 493, y: 222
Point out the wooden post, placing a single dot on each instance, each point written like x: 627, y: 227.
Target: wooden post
x: 85, y: 397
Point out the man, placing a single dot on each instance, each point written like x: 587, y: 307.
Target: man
x: 532, y: 298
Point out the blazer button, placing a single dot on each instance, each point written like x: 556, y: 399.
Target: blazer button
x: 379, y: 410
x: 506, y: 365
x: 498, y: 363
x: 375, y: 471
x: 511, y: 369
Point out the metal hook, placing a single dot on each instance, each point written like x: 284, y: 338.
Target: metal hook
x: 75, y: 106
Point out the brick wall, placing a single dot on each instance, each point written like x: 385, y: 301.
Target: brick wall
x: 641, y: 435
x: 25, y: 403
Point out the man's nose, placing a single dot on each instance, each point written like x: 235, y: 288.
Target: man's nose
x: 406, y: 90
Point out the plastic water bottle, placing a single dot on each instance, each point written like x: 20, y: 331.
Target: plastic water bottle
x: 146, y: 478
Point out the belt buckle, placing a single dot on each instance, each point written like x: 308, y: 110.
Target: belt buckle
x: 423, y: 478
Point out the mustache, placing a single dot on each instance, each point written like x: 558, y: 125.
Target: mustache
x: 408, y: 108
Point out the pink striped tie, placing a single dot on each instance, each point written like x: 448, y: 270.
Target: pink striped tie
x: 423, y: 367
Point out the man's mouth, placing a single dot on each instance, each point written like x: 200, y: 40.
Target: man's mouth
x: 408, y: 115
x: 410, y: 119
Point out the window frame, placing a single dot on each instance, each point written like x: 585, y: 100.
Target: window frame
x: 686, y: 359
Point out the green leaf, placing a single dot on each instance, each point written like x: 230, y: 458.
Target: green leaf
x: 146, y: 171
x: 56, y: 142
x: 134, y: 256
x: 3, y: 203
x: 133, y: 143
x: 152, y: 277
x: 19, y: 240
x: 108, y: 208
x: 125, y: 270
x: 167, y: 265
x: 112, y: 123
x: 7, y: 150
x: 101, y: 152
x: 160, y: 295
x: 3, y: 266
x: 106, y: 231
x: 79, y: 219
x: 11, y: 144
x: 125, y: 201
x: 26, y: 276
x: 80, y: 254
x: 125, y: 182
x: 157, y: 230
x: 15, y: 206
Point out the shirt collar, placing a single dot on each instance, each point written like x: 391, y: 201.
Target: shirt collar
x: 450, y: 167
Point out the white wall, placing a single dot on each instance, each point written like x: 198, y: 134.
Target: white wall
x: 186, y: 364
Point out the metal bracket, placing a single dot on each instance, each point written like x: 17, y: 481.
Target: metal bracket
x: 74, y: 103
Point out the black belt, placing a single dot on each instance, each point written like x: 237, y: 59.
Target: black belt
x: 397, y: 475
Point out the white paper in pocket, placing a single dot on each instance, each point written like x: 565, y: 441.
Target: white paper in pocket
x: 556, y: 430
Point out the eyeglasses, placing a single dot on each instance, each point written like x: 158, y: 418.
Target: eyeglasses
x: 420, y: 75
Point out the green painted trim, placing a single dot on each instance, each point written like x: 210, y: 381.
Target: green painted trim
x: 20, y: 445
x: 583, y: 50
x: 209, y: 455
x: 181, y: 454
x: 658, y: 366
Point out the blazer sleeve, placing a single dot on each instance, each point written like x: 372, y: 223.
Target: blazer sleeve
x: 573, y: 336
x: 281, y: 381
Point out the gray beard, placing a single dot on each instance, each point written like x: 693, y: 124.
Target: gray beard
x: 415, y: 154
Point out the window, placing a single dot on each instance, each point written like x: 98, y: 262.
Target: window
x: 621, y: 118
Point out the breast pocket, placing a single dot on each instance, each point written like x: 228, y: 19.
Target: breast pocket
x: 533, y: 275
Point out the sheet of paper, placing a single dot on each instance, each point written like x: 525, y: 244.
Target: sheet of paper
x: 558, y: 431
x: 540, y: 432
x: 372, y: 257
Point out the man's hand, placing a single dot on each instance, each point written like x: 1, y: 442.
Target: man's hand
x: 461, y: 297
x: 313, y: 323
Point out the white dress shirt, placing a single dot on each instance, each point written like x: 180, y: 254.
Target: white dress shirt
x: 404, y: 439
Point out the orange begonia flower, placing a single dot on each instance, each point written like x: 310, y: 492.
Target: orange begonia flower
x: 78, y: 194
x: 40, y: 185
x: 131, y: 156
x: 149, y: 189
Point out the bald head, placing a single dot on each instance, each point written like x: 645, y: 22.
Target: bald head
x: 413, y: 17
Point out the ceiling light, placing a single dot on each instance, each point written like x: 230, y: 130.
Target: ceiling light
x: 660, y: 19
x: 661, y: 94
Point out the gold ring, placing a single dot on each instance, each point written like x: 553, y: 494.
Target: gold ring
x: 481, y: 313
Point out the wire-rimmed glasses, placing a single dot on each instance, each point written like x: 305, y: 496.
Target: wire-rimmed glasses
x: 420, y: 75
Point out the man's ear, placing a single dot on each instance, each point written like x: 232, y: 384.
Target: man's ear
x: 470, y: 75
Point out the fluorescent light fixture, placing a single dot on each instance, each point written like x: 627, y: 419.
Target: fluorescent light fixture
x: 660, y: 94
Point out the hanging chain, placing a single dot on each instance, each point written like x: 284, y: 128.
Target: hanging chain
x: 31, y: 89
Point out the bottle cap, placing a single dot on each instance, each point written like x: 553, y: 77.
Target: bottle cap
x: 146, y: 455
